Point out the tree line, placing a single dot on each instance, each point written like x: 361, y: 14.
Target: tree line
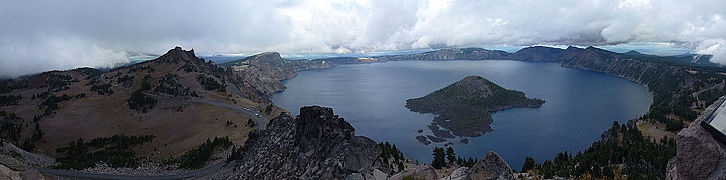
x: 116, y: 151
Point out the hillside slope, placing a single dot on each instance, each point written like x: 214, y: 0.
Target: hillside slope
x: 176, y: 98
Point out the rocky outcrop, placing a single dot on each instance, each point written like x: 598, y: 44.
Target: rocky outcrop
x: 314, y: 145
x: 491, y: 166
x: 16, y: 163
x: 458, y: 174
x: 699, y: 155
x: 423, y: 172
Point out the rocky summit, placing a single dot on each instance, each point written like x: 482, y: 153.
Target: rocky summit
x: 314, y: 145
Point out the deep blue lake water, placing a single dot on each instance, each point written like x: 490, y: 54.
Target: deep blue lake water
x: 580, y: 105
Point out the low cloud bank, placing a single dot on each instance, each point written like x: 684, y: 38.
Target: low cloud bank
x: 38, y: 36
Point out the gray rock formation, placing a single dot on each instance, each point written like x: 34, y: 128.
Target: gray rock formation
x: 491, y: 166
x: 458, y: 174
x: 423, y: 172
x: 699, y: 155
x: 314, y: 145
x: 16, y: 163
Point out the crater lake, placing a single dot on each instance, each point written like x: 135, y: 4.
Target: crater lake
x: 580, y: 105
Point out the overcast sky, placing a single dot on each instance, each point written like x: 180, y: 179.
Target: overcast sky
x: 38, y: 36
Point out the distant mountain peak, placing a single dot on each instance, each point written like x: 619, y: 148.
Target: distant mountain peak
x: 179, y: 51
x: 275, y: 55
x: 633, y: 52
x: 573, y: 47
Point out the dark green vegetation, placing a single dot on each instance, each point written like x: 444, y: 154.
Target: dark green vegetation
x: 116, y: 151
x: 50, y: 104
x: 29, y: 144
x: 211, y: 84
x: 622, y: 145
x: 6, y: 86
x: 199, y: 156
x: 102, y: 89
x: 58, y: 82
x: 447, y: 158
x: 392, y: 156
x: 146, y: 83
x: 268, y: 109
x: 141, y: 102
x: 439, y: 158
x: 125, y: 80
x: 10, y: 100
x: 10, y: 126
x: 251, y: 123
x: 464, y: 107
x: 169, y: 84
x: 146, y: 68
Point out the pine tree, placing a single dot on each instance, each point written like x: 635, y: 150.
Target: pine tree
x: 439, y: 158
x: 450, y: 155
x: 528, y: 164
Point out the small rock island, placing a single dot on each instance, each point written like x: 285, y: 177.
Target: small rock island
x: 464, y: 107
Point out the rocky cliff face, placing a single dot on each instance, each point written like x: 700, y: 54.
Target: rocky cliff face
x: 449, y: 54
x: 265, y: 71
x: 314, y: 145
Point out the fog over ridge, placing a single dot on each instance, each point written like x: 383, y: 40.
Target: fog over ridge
x: 37, y: 36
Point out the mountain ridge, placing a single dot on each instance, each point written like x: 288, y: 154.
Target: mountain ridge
x: 176, y: 98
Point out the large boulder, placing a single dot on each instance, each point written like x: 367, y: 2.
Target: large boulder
x: 458, y: 174
x: 491, y: 166
x: 699, y: 155
x: 423, y: 172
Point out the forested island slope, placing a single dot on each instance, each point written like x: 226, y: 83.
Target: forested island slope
x: 464, y: 107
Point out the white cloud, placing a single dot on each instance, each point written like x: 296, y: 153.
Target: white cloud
x: 44, y: 35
